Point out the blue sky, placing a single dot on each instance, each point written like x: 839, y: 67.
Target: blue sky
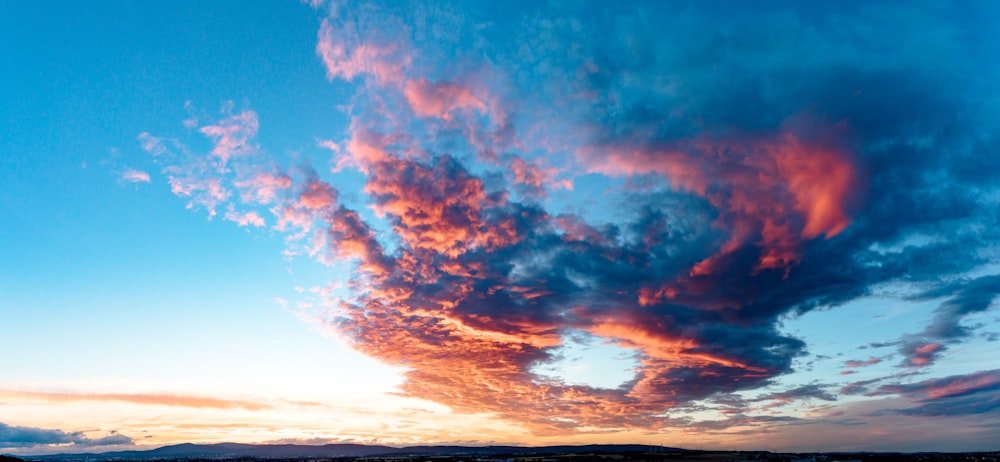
x: 679, y: 223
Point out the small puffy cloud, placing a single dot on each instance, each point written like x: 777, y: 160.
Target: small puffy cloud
x: 135, y: 176
x: 250, y: 218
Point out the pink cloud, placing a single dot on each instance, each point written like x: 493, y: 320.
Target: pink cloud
x: 365, y: 147
x: 922, y: 353
x: 538, y: 181
x: 139, y: 398
x: 345, y: 57
x: 440, y: 99
x: 317, y: 195
x: 945, y: 387
x: 232, y: 136
x: 151, y: 144
x: 206, y: 191
x: 856, y: 363
x: 438, y: 207
x: 135, y: 176
x: 773, y: 192
x: 250, y: 218
x: 263, y: 188
x: 962, y: 385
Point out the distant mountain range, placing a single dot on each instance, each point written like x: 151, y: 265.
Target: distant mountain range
x: 291, y: 451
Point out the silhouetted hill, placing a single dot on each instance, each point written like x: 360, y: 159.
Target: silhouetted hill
x: 4, y: 458
x: 291, y: 451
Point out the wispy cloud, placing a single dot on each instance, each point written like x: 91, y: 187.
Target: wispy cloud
x: 965, y: 298
x: 139, y: 398
x: 232, y: 136
x: 957, y: 395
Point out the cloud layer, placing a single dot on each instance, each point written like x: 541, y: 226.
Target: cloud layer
x: 758, y: 166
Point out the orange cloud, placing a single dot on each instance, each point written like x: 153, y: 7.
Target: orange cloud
x: 440, y: 207
x: 149, y: 399
x: 771, y: 192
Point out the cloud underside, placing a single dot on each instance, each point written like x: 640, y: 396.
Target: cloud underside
x: 771, y: 169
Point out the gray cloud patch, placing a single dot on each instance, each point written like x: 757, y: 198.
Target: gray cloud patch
x: 29, y: 437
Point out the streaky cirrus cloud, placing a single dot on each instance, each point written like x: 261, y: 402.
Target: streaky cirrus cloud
x: 138, y: 398
x: 956, y: 395
x: 757, y: 169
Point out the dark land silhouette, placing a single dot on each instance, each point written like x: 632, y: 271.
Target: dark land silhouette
x: 236, y: 452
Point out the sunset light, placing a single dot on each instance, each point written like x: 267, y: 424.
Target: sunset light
x: 726, y: 225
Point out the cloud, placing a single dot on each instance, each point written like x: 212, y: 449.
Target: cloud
x: 263, y: 187
x: 232, y: 136
x: 965, y: 298
x: 151, y: 144
x: 139, y: 398
x: 811, y: 391
x: 773, y: 194
x: 347, y: 53
x: 756, y: 167
x: 957, y: 395
x: 135, y: 176
x: 209, y: 181
x: 856, y: 363
x: 796, y: 186
x: 30, y: 437
x: 250, y: 218
x: 947, y: 387
x: 440, y: 99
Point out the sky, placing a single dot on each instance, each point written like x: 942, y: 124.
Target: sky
x: 705, y: 224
